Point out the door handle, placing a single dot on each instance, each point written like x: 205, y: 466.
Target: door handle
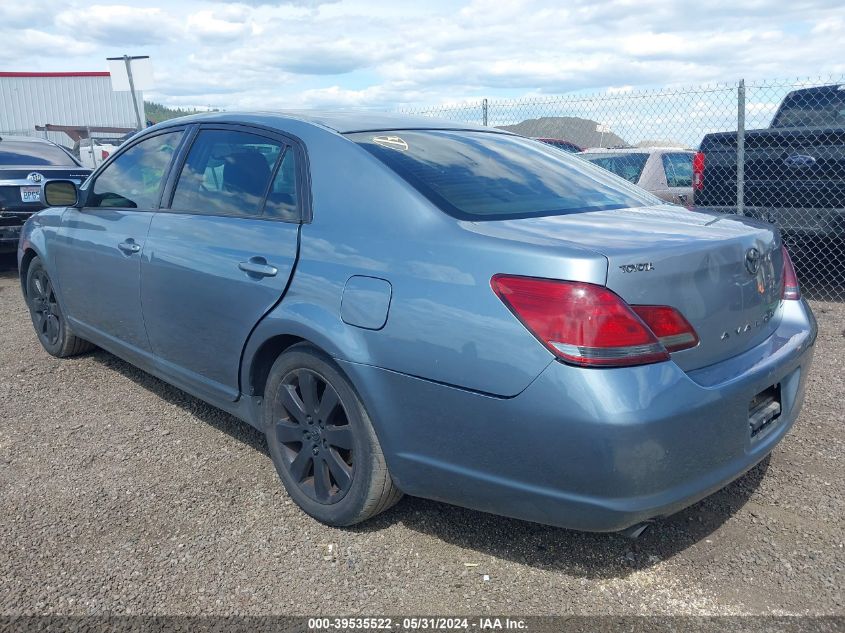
x: 258, y: 267
x: 129, y: 246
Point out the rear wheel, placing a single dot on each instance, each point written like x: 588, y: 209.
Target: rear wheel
x: 47, y: 317
x: 322, y: 441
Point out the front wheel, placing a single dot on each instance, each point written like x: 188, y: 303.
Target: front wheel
x: 322, y: 442
x: 47, y: 317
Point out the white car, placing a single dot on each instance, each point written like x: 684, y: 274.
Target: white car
x: 664, y: 171
x: 93, y: 151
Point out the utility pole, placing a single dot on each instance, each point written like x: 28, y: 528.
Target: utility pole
x: 127, y: 59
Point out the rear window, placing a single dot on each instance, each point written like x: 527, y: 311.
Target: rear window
x: 627, y: 166
x: 23, y: 153
x: 490, y: 176
x: 821, y: 108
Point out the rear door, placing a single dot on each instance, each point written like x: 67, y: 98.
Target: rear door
x: 678, y: 169
x: 221, y: 255
x: 98, y: 247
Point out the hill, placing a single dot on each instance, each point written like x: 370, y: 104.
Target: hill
x: 574, y: 129
x: 157, y: 112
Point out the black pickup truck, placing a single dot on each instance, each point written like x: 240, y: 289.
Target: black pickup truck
x: 794, y: 169
x: 26, y: 163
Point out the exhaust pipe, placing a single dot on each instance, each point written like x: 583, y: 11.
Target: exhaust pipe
x: 635, y: 530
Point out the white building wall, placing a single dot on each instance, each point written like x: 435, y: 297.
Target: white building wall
x: 77, y: 99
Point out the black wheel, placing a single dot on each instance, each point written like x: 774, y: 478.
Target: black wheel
x: 47, y: 317
x: 322, y: 442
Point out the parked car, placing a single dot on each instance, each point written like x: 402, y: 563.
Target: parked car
x: 664, y: 171
x: 566, y: 146
x: 25, y: 164
x: 465, y: 315
x: 794, y: 170
x: 93, y: 152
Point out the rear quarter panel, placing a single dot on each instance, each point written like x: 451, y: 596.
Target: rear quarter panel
x: 444, y: 322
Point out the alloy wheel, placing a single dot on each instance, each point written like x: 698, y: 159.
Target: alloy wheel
x: 316, y: 437
x: 44, y: 308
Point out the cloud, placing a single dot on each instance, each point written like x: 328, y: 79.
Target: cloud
x: 367, y: 53
x: 118, y: 24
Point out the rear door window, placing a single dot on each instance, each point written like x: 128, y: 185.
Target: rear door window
x: 491, y: 176
x: 678, y: 168
x: 627, y: 166
x: 227, y: 172
x: 282, y: 201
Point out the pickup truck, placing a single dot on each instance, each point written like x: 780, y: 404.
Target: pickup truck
x: 794, y: 169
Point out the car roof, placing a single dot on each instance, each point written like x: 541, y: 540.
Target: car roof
x: 338, y: 121
x: 25, y: 139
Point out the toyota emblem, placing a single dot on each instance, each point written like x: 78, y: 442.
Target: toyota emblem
x: 752, y: 260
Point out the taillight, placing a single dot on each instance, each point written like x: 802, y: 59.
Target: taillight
x: 581, y: 323
x: 669, y: 326
x: 791, y: 291
x: 105, y: 154
x: 698, y: 171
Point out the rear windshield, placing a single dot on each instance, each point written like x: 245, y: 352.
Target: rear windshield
x: 23, y: 153
x: 627, y: 166
x: 490, y: 176
x: 822, y: 108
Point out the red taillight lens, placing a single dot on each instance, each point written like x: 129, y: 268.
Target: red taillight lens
x: 580, y: 323
x: 669, y: 326
x: 105, y: 154
x: 698, y: 171
x: 791, y: 291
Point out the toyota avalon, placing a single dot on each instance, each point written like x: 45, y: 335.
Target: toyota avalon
x: 411, y: 306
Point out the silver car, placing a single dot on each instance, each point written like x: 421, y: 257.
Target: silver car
x: 664, y: 171
x: 406, y: 306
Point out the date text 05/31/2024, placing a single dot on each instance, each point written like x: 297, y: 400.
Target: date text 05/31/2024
x: 416, y: 624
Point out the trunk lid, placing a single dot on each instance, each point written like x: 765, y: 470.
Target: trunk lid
x: 13, y: 178
x: 692, y: 261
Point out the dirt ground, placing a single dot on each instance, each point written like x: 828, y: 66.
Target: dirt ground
x: 121, y: 494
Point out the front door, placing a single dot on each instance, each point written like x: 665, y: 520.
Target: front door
x: 220, y: 257
x: 99, y: 247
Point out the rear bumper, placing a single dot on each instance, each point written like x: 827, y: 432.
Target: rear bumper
x: 588, y: 449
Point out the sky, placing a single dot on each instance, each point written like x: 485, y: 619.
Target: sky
x: 396, y: 55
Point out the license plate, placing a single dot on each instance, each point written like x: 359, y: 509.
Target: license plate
x: 31, y: 194
x: 764, y: 410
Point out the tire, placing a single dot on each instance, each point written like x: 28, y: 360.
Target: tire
x: 47, y: 317
x: 322, y: 442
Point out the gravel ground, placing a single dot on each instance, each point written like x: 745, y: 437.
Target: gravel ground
x: 121, y: 494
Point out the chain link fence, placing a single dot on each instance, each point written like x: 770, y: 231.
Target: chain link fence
x: 773, y: 150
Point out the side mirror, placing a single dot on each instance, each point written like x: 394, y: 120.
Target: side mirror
x: 59, y: 193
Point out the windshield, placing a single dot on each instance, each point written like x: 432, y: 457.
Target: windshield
x: 23, y: 153
x: 627, y: 165
x: 490, y: 176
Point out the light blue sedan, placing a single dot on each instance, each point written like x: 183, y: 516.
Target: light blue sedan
x: 411, y: 306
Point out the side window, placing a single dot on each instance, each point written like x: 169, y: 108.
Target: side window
x: 133, y: 180
x: 282, y: 200
x: 227, y: 172
x: 678, y: 169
